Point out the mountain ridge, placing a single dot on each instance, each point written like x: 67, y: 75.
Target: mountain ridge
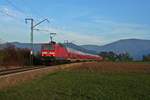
x: 135, y: 47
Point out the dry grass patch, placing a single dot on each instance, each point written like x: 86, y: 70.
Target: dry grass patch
x: 115, y: 67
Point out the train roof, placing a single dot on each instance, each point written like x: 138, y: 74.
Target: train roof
x: 79, y: 48
x: 80, y: 52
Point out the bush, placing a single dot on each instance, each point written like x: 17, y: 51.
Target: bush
x: 146, y: 58
x: 111, y: 56
x: 12, y: 56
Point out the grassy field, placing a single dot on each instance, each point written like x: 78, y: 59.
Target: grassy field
x: 85, y: 83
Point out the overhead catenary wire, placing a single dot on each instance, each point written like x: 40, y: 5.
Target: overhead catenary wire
x: 11, y: 3
x: 11, y: 16
x: 7, y: 14
x: 35, y: 13
x: 14, y: 6
x: 17, y: 18
x: 35, y: 16
x: 44, y: 30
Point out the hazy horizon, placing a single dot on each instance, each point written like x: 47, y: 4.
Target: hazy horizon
x: 77, y: 43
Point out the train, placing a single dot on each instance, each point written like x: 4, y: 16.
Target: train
x: 58, y: 53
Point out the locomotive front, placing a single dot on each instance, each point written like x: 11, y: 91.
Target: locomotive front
x: 48, y: 53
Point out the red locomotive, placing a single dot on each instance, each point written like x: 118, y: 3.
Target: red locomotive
x: 55, y: 52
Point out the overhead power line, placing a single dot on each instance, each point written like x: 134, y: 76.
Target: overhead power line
x: 4, y: 12
x: 14, y: 6
x: 11, y: 2
x: 36, y: 13
x: 9, y: 15
x: 42, y: 30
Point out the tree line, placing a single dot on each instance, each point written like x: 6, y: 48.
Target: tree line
x: 111, y: 56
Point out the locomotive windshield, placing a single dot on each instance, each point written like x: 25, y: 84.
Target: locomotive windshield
x: 47, y: 47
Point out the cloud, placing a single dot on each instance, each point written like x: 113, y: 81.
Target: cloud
x: 10, y: 13
x: 114, y: 27
x: 81, y: 38
x: 113, y: 30
x: 75, y: 37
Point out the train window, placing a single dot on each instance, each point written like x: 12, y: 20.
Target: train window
x: 47, y: 47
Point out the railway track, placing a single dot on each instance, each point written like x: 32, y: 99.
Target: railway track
x: 16, y: 70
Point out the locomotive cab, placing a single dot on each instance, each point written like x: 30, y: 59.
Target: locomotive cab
x: 48, y: 49
x: 48, y: 53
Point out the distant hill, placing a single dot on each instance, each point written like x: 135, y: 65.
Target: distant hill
x: 135, y: 47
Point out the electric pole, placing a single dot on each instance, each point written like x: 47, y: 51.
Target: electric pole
x: 31, y: 39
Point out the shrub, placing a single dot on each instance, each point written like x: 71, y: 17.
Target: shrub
x: 146, y: 57
x: 111, y: 56
x: 12, y: 56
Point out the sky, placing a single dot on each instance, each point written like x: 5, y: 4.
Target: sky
x: 95, y: 22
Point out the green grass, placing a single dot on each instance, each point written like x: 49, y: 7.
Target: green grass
x: 83, y: 85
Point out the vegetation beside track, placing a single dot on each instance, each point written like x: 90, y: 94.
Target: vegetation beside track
x: 86, y: 83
